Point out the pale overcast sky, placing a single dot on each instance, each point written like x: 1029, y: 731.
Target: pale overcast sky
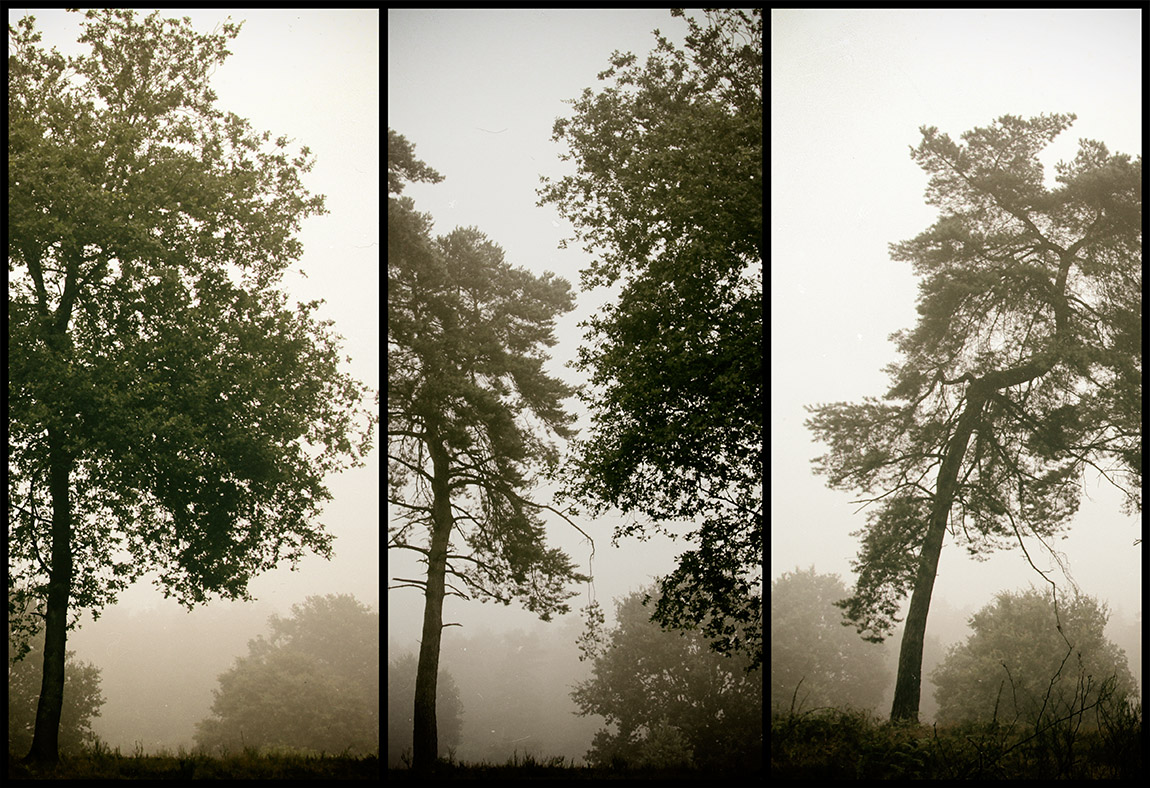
x: 478, y: 92
x: 849, y: 91
x: 312, y: 75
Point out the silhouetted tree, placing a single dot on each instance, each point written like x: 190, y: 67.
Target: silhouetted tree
x: 470, y: 409
x: 1024, y: 368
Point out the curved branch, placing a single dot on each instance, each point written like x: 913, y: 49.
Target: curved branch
x: 453, y: 591
x: 405, y: 546
x: 406, y: 505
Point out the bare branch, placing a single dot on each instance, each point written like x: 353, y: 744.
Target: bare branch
x: 405, y: 546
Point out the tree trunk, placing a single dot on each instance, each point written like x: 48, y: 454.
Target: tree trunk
x: 908, y: 685
x: 46, y: 737
x: 425, y: 737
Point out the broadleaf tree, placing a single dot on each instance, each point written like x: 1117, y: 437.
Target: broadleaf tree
x: 1024, y: 368
x: 667, y: 198
x: 471, y: 412
x: 167, y: 409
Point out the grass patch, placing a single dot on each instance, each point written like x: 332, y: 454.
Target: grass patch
x: 529, y: 767
x: 101, y: 763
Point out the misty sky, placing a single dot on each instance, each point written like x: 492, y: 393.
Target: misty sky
x: 849, y: 91
x: 477, y: 93
x: 312, y: 75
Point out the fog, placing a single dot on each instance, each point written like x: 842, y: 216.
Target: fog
x: 312, y: 75
x: 850, y: 90
x: 477, y: 93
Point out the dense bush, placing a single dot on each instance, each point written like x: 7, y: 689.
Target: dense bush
x: 1023, y: 663
x: 832, y: 745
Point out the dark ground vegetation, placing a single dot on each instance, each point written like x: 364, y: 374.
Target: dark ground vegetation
x: 831, y: 744
x: 100, y: 763
x: 551, y: 770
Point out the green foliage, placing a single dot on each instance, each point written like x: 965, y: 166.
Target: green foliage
x: 1027, y: 661
x: 887, y: 565
x: 816, y: 661
x: 661, y: 746
x: 671, y: 699
x: 312, y: 684
x: 1028, y: 300
x: 82, y: 699
x: 401, y: 700
x: 676, y: 362
x: 669, y: 142
x: 195, y: 413
x: 403, y: 166
x: 592, y: 641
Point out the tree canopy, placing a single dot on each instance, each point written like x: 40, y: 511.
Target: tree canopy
x: 1023, y: 370
x: 463, y: 331
x: 471, y: 415
x: 168, y: 409
x: 312, y: 684
x: 667, y: 197
x: 1029, y: 660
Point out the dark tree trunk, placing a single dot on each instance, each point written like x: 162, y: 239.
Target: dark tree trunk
x: 908, y: 684
x: 425, y: 737
x: 46, y: 737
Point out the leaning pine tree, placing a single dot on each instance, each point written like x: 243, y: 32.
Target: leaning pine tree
x: 1024, y: 368
x: 466, y: 392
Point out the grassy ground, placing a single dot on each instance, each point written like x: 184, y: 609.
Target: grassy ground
x: 556, y: 770
x: 102, y: 764
x: 845, y: 745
